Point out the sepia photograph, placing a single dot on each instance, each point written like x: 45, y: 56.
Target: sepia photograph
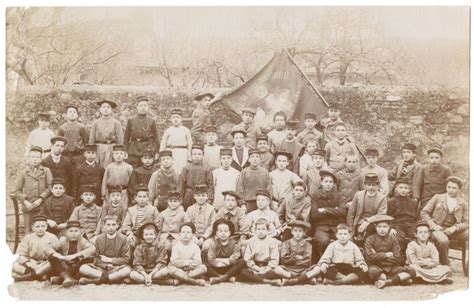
x: 237, y: 153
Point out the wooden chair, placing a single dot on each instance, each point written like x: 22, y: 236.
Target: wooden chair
x: 19, y: 229
x: 462, y: 246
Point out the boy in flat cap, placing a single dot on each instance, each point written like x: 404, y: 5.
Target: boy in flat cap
x: 177, y: 138
x: 142, y: 174
x: 431, y: 178
x: 447, y: 215
x: 350, y: 180
x: 140, y: 134
x: 150, y: 257
x: 328, y: 210
x: 223, y: 255
x: 383, y: 256
x: 225, y: 178
x: 195, y: 173
x: 310, y: 131
x: 201, y: 116
x: 252, y: 179
x: 163, y: 181
x: 240, y: 153
x: 111, y: 259
x: 106, y: 132
x: 170, y: 219
x: 88, y: 213
x: 117, y: 173
x: 211, y: 148
x: 57, y: 208
x: 277, y: 134
x: 330, y: 122
x: 59, y: 165
x: 249, y: 126
x: 295, y: 206
x: 342, y: 262
x: 371, y: 156
x: 139, y: 214
x: 423, y: 256
x: 295, y: 255
x: 312, y: 177
x: 32, y: 262
x: 69, y: 254
x: 76, y: 135
x: 291, y: 145
x: 339, y: 148
x: 406, y: 168
x: 231, y: 211
x: 88, y: 172
x: 263, y: 211
x: 365, y: 206
x: 185, y: 262
x: 40, y: 136
x: 32, y: 187
x: 266, y: 157
x: 114, y: 205
x: 282, y: 179
x: 201, y: 214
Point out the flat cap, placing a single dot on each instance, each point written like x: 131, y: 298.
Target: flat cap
x: 56, y: 181
x: 114, y: 188
x: 36, y: 149
x: 90, y: 147
x: 371, y: 178
x: 200, y: 189
x: 225, y: 151
x: 119, y: 147
x: 236, y: 131
x: 230, y: 193
x: 73, y: 224
x: 262, y: 193
x: 310, y: 115
x: 435, y: 150
x: 165, y: 153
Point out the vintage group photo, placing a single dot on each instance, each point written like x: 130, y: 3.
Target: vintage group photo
x: 237, y: 153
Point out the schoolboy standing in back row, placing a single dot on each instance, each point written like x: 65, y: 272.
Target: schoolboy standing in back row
x: 60, y: 166
x: 249, y: 127
x: 40, y: 136
x: 76, y: 135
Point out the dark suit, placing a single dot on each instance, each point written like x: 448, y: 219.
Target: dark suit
x: 86, y: 174
x: 62, y: 169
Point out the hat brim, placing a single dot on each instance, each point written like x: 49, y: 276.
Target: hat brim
x: 202, y: 95
x: 112, y: 104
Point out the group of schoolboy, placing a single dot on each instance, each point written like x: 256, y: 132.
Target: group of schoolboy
x: 279, y: 207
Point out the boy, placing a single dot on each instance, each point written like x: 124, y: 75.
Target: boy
x: 170, y: 219
x: 312, y: 179
x: 277, y: 134
x: 295, y: 206
x: 89, y: 172
x: 40, y: 137
x: 150, y: 257
x: 407, y: 168
x: 295, y: 255
x: 329, y: 124
x: 263, y: 211
x: 113, y: 206
x: 201, y: 116
x: 423, y: 257
x: 117, y: 173
x: 211, y: 149
x: 306, y: 161
x: 262, y: 256
x: 32, y: 187
x: 142, y: 174
x: 59, y: 165
x: 106, y: 132
x: 140, y: 134
x: 431, y: 178
x: 404, y: 211
x: 349, y: 179
x: 33, y: 251
x: 266, y: 158
x: 222, y: 260
x: 225, y: 178
x: 201, y: 214
x: 69, y: 254
x: 371, y: 156
x: 185, y: 261
x: 88, y: 213
x: 249, y: 126
x: 447, y: 216
x: 139, y: 214
x: 76, y: 135
x: 342, y: 262
x: 178, y: 139
x: 365, y: 206
x: 112, y: 256
x: 291, y: 145
x: 57, y: 208
x: 328, y: 210
x: 282, y: 178
x: 310, y: 132
x: 195, y: 173
x: 383, y: 256
x: 231, y: 212
x: 339, y: 148
x: 252, y: 179
x: 240, y: 153
x: 163, y: 181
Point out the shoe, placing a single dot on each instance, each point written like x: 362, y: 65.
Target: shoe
x: 166, y: 282
x: 380, y: 284
x: 274, y: 282
x: 56, y: 280
x: 84, y: 280
x: 313, y: 282
x: 25, y: 277
x: 290, y: 282
x: 200, y: 282
x: 217, y: 280
x: 383, y: 277
x: 69, y: 282
x: 447, y: 281
x: 129, y: 281
x: 232, y: 279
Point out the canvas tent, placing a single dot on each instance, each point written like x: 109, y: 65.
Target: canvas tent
x: 279, y: 86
